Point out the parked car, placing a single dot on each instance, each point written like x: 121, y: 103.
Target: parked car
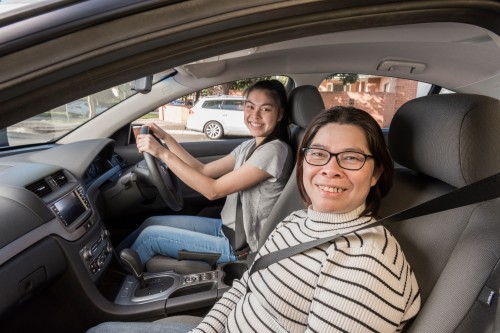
x: 72, y: 188
x: 81, y: 108
x: 217, y: 116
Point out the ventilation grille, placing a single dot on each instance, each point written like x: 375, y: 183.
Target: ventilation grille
x: 40, y: 187
x: 48, y: 184
x: 60, y: 178
x: 119, y: 159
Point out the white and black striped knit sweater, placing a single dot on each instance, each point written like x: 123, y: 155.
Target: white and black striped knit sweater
x: 358, y: 283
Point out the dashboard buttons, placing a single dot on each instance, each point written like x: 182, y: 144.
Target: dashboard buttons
x: 97, y: 252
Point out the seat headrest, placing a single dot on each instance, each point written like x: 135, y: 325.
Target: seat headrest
x: 453, y: 137
x: 305, y: 103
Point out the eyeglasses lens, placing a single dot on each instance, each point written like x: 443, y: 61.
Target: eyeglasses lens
x: 346, y: 160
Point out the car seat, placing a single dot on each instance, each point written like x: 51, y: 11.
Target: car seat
x: 444, y: 142
x: 305, y: 103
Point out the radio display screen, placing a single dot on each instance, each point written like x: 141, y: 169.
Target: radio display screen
x: 70, y: 208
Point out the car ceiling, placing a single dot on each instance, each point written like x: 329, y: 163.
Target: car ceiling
x: 58, y: 67
x: 362, y: 51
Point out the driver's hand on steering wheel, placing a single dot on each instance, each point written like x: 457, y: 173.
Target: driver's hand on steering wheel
x: 159, y: 132
x: 146, y: 143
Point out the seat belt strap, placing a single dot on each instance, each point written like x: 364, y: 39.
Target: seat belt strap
x: 240, y: 246
x: 482, y: 190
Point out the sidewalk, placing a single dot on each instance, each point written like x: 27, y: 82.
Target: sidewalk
x: 166, y: 125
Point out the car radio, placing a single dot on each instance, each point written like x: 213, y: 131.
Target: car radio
x: 71, y: 207
x: 97, y: 253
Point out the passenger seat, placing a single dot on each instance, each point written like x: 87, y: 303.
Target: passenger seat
x: 444, y: 142
x: 305, y: 102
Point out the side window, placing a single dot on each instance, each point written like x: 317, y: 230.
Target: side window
x: 381, y: 96
x: 214, y: 104
x: 233, y: 105
x: 190, y: 118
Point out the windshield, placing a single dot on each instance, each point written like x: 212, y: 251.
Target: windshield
x: 51, y: 125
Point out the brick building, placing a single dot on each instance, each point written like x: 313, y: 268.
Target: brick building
x: 379, y: 96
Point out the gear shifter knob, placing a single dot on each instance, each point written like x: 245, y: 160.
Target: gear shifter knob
x: 132, y: 263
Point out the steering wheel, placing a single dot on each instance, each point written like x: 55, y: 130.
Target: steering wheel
x: 159, y: 173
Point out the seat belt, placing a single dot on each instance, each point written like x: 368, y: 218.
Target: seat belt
x: 479, y: 191
x: 237, y: 237
x: 240, y: 246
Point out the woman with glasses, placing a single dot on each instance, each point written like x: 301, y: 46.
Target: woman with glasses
x: 359, y: 282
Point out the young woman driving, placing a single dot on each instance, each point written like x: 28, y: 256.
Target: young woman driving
x: 254, y: 173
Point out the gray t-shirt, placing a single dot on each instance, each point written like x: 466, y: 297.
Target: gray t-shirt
x: 276, y: 159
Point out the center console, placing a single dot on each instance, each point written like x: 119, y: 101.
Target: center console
x: 97, y: 253
x: 178, y: 288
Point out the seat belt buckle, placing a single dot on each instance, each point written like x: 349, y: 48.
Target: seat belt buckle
x: 242, y: 253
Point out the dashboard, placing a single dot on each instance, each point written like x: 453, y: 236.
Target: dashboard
x: 59, y: 206
x: 49, y: 216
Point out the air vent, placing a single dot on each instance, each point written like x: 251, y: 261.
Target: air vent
x: 119, y: 159
x: 48, y: 184
x: 60, y: 178
x: 40, y: 188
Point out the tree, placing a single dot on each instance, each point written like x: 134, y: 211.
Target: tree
x: 239, y: 85
x: 345, y: 78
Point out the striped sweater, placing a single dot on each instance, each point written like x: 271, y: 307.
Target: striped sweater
x: 357, y: 283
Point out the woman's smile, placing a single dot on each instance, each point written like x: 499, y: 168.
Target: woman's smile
x: 331, y: 189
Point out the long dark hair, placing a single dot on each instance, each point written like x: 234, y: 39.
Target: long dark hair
x: 278, y: 93
x: 376, y: 143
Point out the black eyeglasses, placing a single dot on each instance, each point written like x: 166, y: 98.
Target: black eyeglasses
x: 350, y: 160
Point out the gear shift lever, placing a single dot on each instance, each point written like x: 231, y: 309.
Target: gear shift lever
x: 132, y: 263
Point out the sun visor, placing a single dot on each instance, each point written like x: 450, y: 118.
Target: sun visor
x: 212, y: 66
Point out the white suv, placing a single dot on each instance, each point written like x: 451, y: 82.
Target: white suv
x: 217, y: 116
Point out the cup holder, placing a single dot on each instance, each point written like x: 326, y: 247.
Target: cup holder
x: 232, y: 271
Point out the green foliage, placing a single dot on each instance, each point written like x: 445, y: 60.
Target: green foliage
x: 239, y: 85
x: 345, y: 78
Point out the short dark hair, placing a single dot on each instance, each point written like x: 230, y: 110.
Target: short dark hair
x: 278, y: 93
x: 351, y: 116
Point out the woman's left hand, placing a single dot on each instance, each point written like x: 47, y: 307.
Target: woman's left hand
x: 147, y: 143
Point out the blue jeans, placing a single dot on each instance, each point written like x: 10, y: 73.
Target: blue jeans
x: 124, y: 327
x: 166, y: 235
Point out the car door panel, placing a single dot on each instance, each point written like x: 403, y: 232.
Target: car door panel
x: 194, y: 203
